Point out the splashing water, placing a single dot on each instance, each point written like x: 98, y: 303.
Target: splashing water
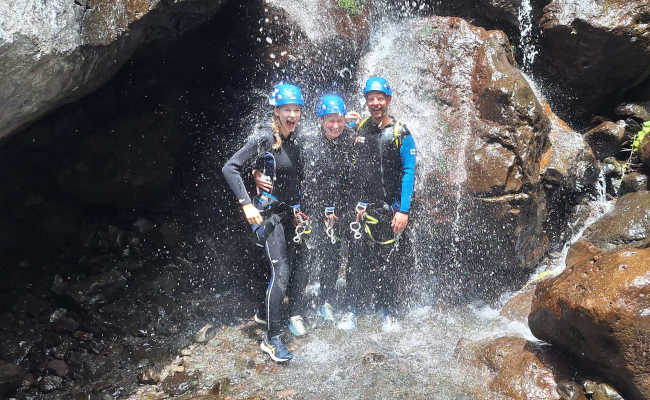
x: 527, y: 43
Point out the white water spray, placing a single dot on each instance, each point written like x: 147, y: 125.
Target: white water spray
x: 527, y: 43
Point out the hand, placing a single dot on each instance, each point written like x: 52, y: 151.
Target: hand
x: 399, y: 222
x: 353, y: 116
x: 252, y: 214
x: 261, y: 184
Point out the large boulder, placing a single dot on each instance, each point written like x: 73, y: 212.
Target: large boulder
x: 55, y: 52
x: 628, y: 225
x: 514, y: 368
x: 598, y: 310
x: 495, y: 140
x: 596, y: 51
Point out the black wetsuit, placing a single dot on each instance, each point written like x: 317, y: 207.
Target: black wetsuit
x: 384, y: 178
x: 328, y: 183
x: 286, y: 188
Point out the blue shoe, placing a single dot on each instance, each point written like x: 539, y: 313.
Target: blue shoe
x: 327, y: 312
x: 348, y: 322
x: 297, y: 326
x: 276, y: 349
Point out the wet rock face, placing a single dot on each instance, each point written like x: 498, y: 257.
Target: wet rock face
x: 499, y: 136
x: 300, y: 40
x: 514, y: 367
x: 598, y: 310
x: 627, y: 226
x: 606, y: 138
x: 597, y: 48
x: 54, y: 60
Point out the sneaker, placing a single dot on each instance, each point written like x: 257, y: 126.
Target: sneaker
x: 348, y: 322
x: 275, y: 348
x: 259, y: 320
x: 297, y: 326
x: 327, y: 312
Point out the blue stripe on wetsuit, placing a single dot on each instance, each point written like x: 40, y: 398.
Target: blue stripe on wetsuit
x: 407, y: 154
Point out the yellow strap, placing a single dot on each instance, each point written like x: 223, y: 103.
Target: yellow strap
x: 363, y: 122
x: 396, y: 133
x: 374, y: 221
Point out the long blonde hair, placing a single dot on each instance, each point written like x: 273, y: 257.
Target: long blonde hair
x: 275, y: 128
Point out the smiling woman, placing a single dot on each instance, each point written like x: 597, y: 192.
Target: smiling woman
x: 270, y: 216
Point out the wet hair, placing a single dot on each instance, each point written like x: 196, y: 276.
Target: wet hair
x: 275, y: 128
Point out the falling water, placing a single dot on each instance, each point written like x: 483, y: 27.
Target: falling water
x: 527, y: 43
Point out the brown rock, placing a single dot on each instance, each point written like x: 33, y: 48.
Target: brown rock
x: 634, y: 182
x: 514, y: 367
x: 627, y: 226
x: 598, y: 309
x: 605, y: 139
x: 586, y: 47
x: 518, y: 307
x: 500, y: 136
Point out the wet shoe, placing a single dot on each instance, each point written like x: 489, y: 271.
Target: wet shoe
x: 348, y: 322
x: 297, y: 326
x: 275, y: 348
x: 259, y: 320
x: 327, y: 312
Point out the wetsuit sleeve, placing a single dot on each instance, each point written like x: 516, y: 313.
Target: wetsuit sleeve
x: 232, y: 169
x: 407, y: 154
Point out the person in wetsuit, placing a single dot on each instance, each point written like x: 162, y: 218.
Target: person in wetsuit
x: 327, y: 196
x: 271, y: 215
x: 384, y: 178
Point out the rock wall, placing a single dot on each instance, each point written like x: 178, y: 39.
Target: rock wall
x: 55, y: 52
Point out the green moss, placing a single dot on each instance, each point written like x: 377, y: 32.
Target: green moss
x: 640, y: 135
x: 352, y: 7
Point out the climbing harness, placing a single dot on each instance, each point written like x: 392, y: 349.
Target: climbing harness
x: 301, y: 222
x: 397, y: 136
x: 367, y: 220
x: 355, y: 226
x: 330, y: 220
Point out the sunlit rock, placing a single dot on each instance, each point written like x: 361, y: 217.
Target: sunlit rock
x: 491, y: 123
x: 628, y: 225
x: 514, y: 367
x: 55, y: 52
x: 598, y: 310
x: 518, y: 307
x: 597, y: 49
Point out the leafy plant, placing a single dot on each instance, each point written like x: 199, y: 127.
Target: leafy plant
x: 352, y: 7
x: 640, y: 135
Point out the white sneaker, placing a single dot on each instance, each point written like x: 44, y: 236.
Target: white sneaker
x: 327, y: 312
x: 297, y: 326
x: 348, y: 322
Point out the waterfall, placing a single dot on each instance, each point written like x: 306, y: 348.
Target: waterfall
x: 527, y: 40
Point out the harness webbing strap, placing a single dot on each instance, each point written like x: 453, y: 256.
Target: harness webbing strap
x: 396, y: 131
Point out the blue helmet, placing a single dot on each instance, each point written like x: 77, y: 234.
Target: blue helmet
x: 377, y: 84
x: 330, y: 104
x: 286, y: 93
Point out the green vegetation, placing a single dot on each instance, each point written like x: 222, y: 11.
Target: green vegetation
x: 640, y: 135
x: 352, y: 7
